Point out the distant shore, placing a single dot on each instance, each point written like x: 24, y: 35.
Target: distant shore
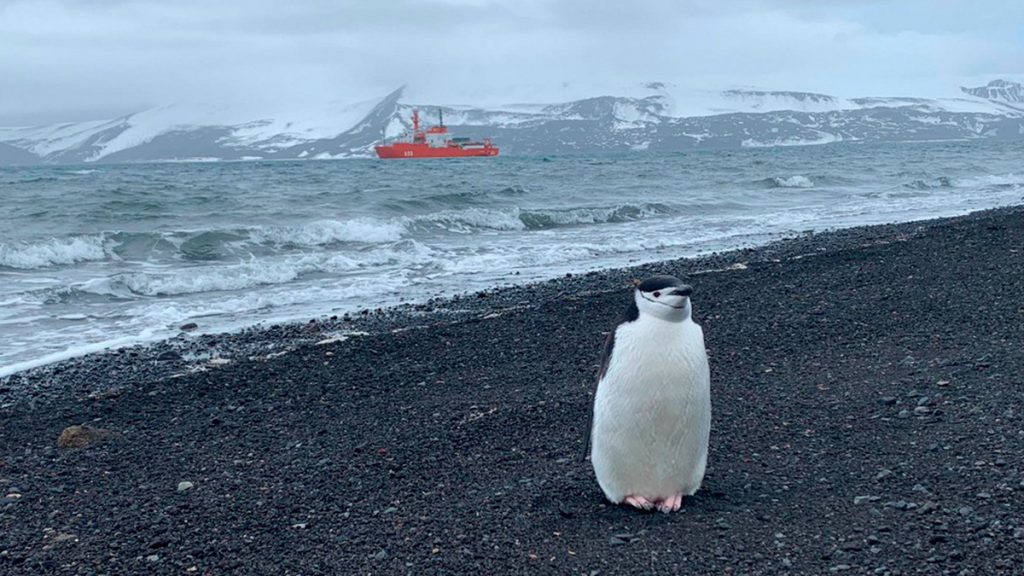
x: 867, y: 418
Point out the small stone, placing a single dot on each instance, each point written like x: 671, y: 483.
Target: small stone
x: 921, y: 410
x: 865, y: 499
x: 887, y: 400
x: 923, y: 401
x: 105, y: 394
x: 63, y: 537
x: 168, y: 356
x: 380, y: 555
x: 903, y: 413
x: 883, y: 474
x: 390, y: 510
x: 840, y: 568
x: 189, y: 326
x: 185, y: 485
x: 153, y: 557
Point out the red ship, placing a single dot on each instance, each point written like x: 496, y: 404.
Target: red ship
x: 434, y: 142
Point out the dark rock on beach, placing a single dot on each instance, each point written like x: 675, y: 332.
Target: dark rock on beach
x: 81, y: 436
x: 446, y: 437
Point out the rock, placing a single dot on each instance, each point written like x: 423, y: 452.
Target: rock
x: 82, y: 436
x: 185, y: 485
x: 565, y: 511
x: 883, y: 474
x: 380, y: 555
x: 105, y: 394
x: 189, y: 326
x: 63, y: 537
x: 168, y: 356
x: 865, y: 499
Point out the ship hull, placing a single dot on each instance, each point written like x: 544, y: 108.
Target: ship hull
x: 406, y: 150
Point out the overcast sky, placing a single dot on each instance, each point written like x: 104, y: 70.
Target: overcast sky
x: 70, y: 60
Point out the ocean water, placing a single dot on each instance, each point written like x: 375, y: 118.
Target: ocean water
x: 95, y: 256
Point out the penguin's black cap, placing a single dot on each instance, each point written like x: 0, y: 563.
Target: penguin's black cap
x: 664, y: 282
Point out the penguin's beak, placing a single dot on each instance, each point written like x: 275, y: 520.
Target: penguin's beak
x: 684, y: 290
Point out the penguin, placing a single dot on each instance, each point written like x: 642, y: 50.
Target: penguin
x: 651, y: 416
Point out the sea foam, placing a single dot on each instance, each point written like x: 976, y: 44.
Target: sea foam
x: 52, y: 252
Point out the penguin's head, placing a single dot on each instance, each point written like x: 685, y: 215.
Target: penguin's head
x: 665, y: 297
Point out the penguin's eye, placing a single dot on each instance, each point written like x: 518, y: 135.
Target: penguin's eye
x: 657, y: 294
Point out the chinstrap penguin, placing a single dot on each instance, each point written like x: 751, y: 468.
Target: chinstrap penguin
x: 652, y: 410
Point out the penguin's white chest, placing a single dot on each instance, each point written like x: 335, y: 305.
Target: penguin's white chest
x: 652, y: 412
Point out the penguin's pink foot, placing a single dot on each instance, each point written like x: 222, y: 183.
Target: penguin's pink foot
x: 639, y: 502
x: 670, y: 504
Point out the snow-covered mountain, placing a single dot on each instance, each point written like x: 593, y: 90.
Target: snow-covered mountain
x: 655, y: 116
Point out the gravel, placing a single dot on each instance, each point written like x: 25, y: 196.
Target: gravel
x: 445, y: 437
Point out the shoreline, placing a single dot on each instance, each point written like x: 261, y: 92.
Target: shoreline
x: 867, y: 419
x: 187, y: 352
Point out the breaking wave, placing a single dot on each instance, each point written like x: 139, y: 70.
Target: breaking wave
x: 796, y: 181
x: 919, y: 184
x: 543, y: 219
x: 53, y: 252
x: 325, y: 232
x: 993, y: 181
x: 467, y: 221
x: 261, y: 272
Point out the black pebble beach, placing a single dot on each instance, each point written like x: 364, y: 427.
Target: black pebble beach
x: 868, y: 418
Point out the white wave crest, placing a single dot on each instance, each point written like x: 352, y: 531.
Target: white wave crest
x: 797, y: 181
x: 472, y: 219
x: 322, y: 232
x: 52, y: 252
x: 593, y: 215
x: 255, y: 272
x: 210, y: 279
x: 1014, y: 180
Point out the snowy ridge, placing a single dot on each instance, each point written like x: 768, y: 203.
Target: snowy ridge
x: 652, y: 116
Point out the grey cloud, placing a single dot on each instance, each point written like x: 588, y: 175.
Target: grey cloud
x: 71, y: 60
